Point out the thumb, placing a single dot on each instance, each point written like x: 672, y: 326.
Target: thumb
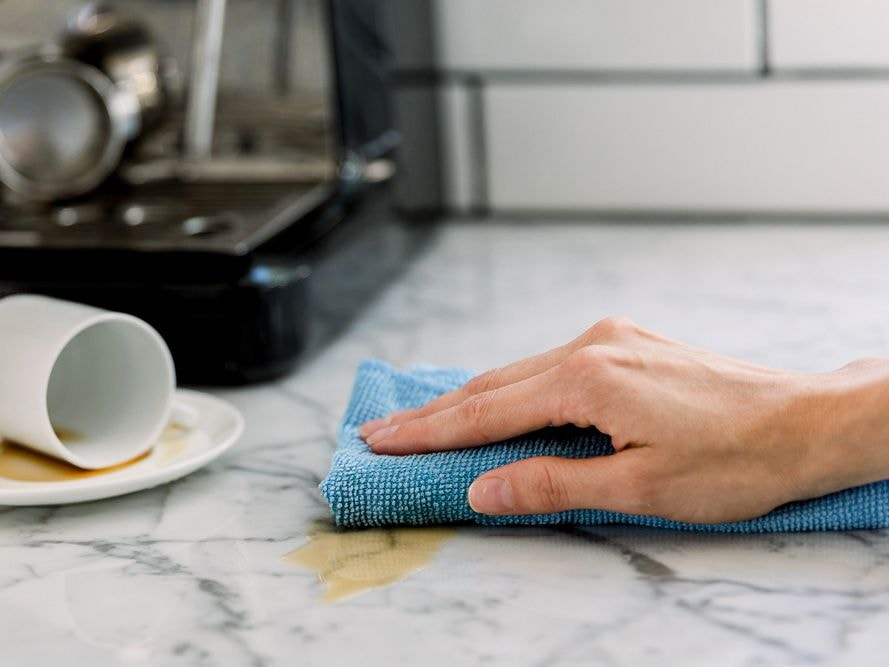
x: 547, y: 484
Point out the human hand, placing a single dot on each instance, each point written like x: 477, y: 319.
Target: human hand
x: 698, y: 437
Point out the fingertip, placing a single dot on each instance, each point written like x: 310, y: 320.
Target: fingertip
x: 491, y: 495
x: 367, y: 429
x: 376, y: 447
x: 382, y: 434
x: 388, y: 449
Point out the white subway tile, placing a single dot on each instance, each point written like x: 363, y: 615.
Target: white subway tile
x: 789, y: 146
x: 828, y: 33
x: 598, y: 34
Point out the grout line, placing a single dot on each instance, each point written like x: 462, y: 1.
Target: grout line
x: 831, y: 74
x: 630, y: 217
x: 429, y: 76
x: 765, y: 56
x: 416, y: 78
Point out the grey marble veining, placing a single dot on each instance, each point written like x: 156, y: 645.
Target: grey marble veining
x: 191, y: 573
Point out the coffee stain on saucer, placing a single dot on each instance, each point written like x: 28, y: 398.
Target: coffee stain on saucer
x: 25, y: 465
x: 172, y: 444
x: 21, y: 464
x: 351, y: 562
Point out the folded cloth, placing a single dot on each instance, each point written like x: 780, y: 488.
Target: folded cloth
x: 368, y: 489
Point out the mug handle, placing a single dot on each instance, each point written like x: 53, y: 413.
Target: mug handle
x: 183, y: 415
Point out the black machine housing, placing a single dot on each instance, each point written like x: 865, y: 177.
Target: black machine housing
x: 240, y: 279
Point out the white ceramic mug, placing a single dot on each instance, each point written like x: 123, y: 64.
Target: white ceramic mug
x: 89, y: 386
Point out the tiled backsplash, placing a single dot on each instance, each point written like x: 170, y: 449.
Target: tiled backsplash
x: 776, y: 146
x: 835, y: 34
x: 581, y: 35
x: 653, y: 106
x: 649, y: 106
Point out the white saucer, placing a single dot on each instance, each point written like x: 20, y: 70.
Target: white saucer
x: 218, y: 426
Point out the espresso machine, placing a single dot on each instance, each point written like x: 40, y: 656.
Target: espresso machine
x: 219, y: 168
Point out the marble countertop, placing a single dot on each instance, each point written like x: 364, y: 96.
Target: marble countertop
x: 192, y: 573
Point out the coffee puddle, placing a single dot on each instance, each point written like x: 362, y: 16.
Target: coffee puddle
x: 25, y: 465
x: 352, y: 562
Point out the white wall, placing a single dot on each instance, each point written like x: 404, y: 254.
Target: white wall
x: 663, y: 106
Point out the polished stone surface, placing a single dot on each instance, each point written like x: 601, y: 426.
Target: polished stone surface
x: 192, y: 573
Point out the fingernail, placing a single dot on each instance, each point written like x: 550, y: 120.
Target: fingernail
x: 491, y: 495
x: 378, y: 436
x: 366, y: 429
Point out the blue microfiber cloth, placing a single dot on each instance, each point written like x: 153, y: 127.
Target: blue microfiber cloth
x: 367, y: 489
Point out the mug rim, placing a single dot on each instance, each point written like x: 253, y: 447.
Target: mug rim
x: 97, y: 319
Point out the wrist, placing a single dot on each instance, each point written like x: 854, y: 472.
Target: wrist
x: 849, y: 409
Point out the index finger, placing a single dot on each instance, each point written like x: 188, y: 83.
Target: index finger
x: 487, y: 381
x: 480, y: 419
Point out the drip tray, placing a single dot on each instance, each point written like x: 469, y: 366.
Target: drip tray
x: 227, y: 218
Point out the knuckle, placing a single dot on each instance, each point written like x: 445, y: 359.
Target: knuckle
x: 866, y: 363
x: 548, y: 490
x: 612, y: 328
x: 604, y: 360
x: 476, y: 411
x: 481, y: 383
x: 589, y: 359
x: 589, y: 377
